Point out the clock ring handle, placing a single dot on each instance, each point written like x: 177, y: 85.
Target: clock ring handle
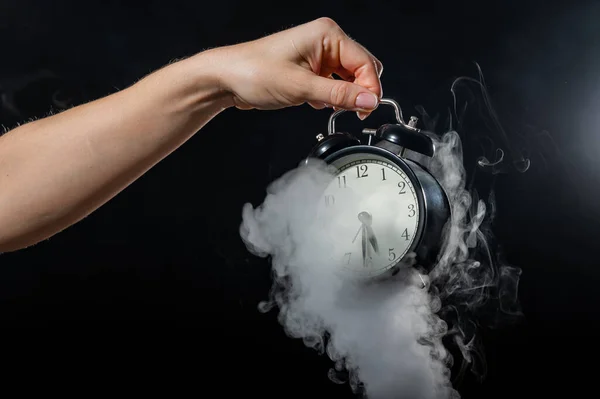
x: 387, y: 101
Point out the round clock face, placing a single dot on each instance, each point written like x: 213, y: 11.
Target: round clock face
x: 372, y: 213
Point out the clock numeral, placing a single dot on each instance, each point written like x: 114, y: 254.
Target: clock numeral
x: 329, y: 200
x: 361, y: 171
x: 383, y: 174
x: 402, y: 186
x: 391, y: 254
x: 411, y: 210
x: 347, y: 257
x: 341, y: 181
x: 405, y: 234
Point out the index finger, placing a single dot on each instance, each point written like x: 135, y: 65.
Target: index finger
x: 358, y: 61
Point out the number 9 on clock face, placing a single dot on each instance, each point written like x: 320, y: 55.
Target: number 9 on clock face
x: 372, y: 212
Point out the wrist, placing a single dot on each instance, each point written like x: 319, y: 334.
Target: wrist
x: 208, y: 77
x: 193, y: 85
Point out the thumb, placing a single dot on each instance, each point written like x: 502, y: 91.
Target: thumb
x: 342, y: 94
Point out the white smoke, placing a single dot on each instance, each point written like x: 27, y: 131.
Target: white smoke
x: 386, y: 336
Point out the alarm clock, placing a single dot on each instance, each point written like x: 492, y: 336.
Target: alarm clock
x: 389, y: 210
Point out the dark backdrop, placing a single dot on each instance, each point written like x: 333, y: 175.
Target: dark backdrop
x: 155, y: 291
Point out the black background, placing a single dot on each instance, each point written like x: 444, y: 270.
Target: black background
x: 155, y: 292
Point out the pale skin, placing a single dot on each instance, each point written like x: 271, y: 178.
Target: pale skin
x: 57, y: 170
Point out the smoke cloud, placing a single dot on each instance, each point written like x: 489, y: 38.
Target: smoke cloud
x: 389, y: 339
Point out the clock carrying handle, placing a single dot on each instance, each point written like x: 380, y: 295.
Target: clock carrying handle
x: 405, y: 135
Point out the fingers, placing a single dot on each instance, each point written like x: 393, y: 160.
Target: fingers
x: 353, y: 63
x: 340, y: 94
x: 365, y: 68
x: 317, y: 105
x: 378, y: 64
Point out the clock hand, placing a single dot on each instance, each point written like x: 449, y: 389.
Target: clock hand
x: 367, y: 235
x: 366, y: 219
x: 361, y: 229
x: 357, y: 233
x: 364, y: 245
x: 372, y: 239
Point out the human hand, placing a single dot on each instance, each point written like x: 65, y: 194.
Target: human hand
x: 296, y: 66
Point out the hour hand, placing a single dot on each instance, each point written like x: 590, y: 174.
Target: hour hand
x: 372, y: 239
x: 368, y: 236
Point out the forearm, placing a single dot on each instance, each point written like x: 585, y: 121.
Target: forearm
x: 55, y: 171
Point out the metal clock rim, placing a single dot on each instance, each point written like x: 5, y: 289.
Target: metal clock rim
x: 406, y: 169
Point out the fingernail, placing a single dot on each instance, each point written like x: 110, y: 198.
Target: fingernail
x: 366, y: 101
x: 362, y: 115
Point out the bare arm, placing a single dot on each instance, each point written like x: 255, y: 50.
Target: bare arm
x: 57, y: 170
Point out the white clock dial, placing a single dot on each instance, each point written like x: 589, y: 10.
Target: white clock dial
x: 372, y: 212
